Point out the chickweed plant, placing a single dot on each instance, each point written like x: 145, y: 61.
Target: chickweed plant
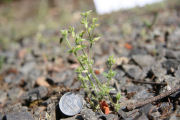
x: 82, y: 49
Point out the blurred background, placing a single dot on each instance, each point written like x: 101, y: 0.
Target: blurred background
x: 24, y: 18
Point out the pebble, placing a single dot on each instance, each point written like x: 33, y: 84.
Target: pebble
x: 146, y: 108
x: 142, y: 94
x: 88, y: 114
x: 157, y: 70
x: 143, y: 117
x: 171, y: 81
x: 155, y: 115
x: 143, y: 60
x: 14, y: 93
x: 27, y: 67
x: 170, y: 64
x: 177, y: 73
x: 133, y: 71
x: 3, y: 96
x: 170, y: 54
x: 35, y: 94
x: 108, y: 117
x: 18, y: 116
x: 119, y: 74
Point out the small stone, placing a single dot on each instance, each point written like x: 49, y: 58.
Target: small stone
x: 88, y: 114
x: 143, y: 117
x: 35, y: 94
x: 39, y: 112
x: 173, y: 117
x: 172, y: 82
x: 66, y: 78
x: 170, y: 64
x: 109, y: 117
x: 122, y: 114
x: 132, y: 115
x: 119, y: 74
x: 143, y: 94
x: 177, y: 73
x: 3, y: 96
x: 133, y: 71
x: 9, y: 78
x: 53, y: 110
x: 31, y: 78
x: 18, y: 116
x: 15, y: 93
x: 27, y: 67
x: 155, y: 115
x: 143, y: 60
x: 157, y: 70
x: 146, y: 109
x: 170, y: 54
x: 41, y: 81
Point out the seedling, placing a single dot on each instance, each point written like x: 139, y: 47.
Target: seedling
x: 82, y: 49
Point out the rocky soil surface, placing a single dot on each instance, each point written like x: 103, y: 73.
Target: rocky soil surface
x: 34, y: 75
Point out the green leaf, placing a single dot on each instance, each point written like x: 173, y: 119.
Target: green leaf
x: 89, y: 29
x: 79, y: 70
x: 71, y: 50
x: 61, y: 40
x: 118, y: 95
x: 78, y: 40
x: 79, y: 47
x: 96, y: 39
x: 64, y: 32
x: 94, y: 20
x: 111, y: 60
x: 85, y: 14
x: 81, y: 34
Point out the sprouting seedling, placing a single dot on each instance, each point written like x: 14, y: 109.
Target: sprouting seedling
x: 82, y: 49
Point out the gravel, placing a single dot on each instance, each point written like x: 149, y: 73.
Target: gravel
x: 18, y: 116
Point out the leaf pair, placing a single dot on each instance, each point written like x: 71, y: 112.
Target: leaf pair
x: 77, y: 48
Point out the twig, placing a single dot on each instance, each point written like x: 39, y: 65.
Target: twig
x: 145, y: 82
x: 152, y: 99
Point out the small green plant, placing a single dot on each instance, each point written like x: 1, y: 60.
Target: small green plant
x: 82, y: 48
x: 149, y: 24
x: 1, y: 62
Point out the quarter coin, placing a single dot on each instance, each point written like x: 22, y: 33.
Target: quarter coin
x: 70, y: 104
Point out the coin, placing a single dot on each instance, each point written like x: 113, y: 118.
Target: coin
x: 70, y: 104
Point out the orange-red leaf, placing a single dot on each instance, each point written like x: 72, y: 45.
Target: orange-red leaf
x: 128, y: 46
x: 97, y: 72
x: 104, y: 107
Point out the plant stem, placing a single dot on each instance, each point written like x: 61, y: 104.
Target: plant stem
x: 75, y: 54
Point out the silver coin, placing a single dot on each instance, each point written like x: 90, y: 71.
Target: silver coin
x: 70, y: 104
